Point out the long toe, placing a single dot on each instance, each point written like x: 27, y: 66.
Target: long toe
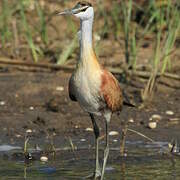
x: 97, y: 175
x: 94, y: 176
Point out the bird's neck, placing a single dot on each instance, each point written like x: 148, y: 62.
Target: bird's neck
x: 86, y: 35
x: 87, y: 55
x: 86, y: 46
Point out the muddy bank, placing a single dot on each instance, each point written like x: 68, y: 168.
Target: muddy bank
x: 39, y: 101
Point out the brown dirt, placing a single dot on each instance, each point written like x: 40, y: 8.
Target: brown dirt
x: 32, y: 101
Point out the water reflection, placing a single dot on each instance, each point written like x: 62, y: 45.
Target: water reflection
x: 141, y: 163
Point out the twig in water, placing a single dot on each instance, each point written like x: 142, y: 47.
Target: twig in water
x: 73, y: 148
x: 26, y: 143
x: 123, y: 140
x: 153, y: 141
x: 141, y: 135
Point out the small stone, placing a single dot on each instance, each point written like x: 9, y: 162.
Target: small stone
x: 31, y: 108
x: 156, y: 117
x: 170, y: 113
x: 18, y: 135
x: 113, y: 133
x: 54, y: 134
x: 76, y: 126
x: 28, y: 131
x: 59, y: 88
x: 44, y: 158
x: 131, y: 120
x: 89, y: 129
x: 152, y: 125
x: 2, y: 103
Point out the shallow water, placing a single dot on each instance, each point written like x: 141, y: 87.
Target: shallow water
x: 142, y: 162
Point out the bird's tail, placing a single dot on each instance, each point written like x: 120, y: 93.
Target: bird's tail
x: 126, y: 100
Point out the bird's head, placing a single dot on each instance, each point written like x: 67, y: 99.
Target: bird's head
x: 82, y: 10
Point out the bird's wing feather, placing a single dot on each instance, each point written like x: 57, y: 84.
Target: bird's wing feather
x: 111, y: 91
x: 71, y: 89
x: 126, y: 100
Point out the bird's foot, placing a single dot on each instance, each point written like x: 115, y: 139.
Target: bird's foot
x: 94, y: 176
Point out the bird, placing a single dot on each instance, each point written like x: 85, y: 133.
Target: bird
x: 96, y: 90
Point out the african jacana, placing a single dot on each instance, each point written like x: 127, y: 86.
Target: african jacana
x: 96, y: 90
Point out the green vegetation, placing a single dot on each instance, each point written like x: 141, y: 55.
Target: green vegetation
x: 35, y: 49
x: 18, y: 11
x: 166, y: 25
x: 5, y: 21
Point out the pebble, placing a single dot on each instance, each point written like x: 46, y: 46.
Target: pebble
x: 169, y: 112
x: 113, y: 133
x: 18, y: 135
x: 2, y: 103
x: 31, y: 108
x: 28, y: 131
x: 156, y: 116
x: 131, y: 120
x: 152, y: 125
x: 44, y: 158
x: 89, y: 129
x: 54, y: 134
x: 59, y: 88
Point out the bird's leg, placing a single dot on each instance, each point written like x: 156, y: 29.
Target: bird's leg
x: 96, y: 133
x: 106, y: 151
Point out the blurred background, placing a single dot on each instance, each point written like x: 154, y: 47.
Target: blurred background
x: 131, y: 35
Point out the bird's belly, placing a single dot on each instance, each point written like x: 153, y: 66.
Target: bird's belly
x: 88, y: 101
x: 87, y: 94
x: 87, y: 89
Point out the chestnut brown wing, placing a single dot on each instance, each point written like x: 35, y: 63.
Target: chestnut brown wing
x: 111, y: 91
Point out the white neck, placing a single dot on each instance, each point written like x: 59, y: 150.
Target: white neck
x: 86, y: 36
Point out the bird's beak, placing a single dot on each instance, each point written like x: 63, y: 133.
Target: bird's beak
x: 66, y: 12
x: 72, y: 11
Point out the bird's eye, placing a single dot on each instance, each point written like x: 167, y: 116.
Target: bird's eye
x: 83, y: 10
x: 83, y: 3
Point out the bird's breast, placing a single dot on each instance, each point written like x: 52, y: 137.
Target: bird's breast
x: 87, y: 86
